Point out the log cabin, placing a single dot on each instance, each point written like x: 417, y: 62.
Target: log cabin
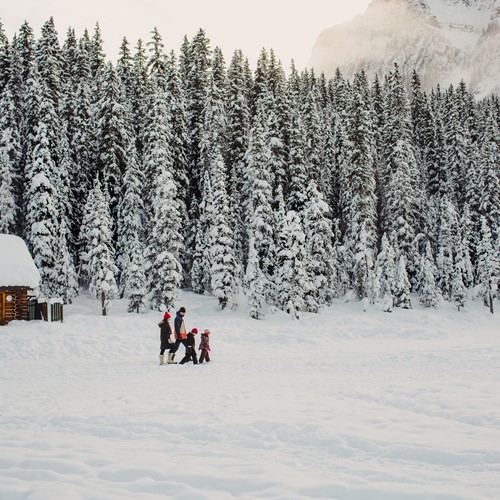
x: 19, y: 277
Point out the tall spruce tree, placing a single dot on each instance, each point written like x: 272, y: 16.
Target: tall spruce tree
x: 488, y: 266
x: 319, y: 263
x: 112, y: 136
x: 292, y: 282
x: 385, y: 270
x: 446, y: 236
x: 298, y: 165
x: 358, y: 179
x: 258, y: 195
x: 42, y: 216
x: 429, y: 293
x: 224, y: 269
x: 400, y: 171
x: 255, y: 282
x: 97, y: 254
x: 164, y: 271
x: 196, y: 62
x: 10, y: 155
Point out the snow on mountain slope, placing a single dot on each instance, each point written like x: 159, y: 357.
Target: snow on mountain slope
x: 444, y: 40
x: 341, y: 405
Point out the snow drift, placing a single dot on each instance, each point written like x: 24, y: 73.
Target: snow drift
x: 342, y: 405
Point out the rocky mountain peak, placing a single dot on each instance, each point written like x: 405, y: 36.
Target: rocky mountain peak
x: 444, y: 40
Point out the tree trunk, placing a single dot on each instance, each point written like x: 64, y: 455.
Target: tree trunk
x: 103, y: 303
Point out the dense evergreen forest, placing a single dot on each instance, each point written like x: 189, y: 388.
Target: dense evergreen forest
x: 165, y: 171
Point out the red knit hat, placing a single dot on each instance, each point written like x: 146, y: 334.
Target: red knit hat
x: 194, y: 331
x: 206, y: 332
x: 166, y: 315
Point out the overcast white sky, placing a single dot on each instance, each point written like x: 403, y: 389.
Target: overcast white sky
x: 290, y: 27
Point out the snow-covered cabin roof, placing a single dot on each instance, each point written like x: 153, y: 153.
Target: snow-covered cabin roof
x: 16, y: 264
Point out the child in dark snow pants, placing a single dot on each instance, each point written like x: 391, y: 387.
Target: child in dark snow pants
x: 204, y: 346
x: 190, y: 348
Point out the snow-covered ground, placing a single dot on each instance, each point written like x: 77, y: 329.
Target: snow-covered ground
x: 342, y: 405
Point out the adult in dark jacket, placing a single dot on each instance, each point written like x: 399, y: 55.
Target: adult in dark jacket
x: 191, y: 348
x: 180, y: 334
x: 165, y: 334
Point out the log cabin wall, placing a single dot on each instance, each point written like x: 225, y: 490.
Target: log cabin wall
x: 17, y: 308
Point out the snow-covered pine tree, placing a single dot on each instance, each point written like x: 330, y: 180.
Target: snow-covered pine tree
x: 402, y: 285
x: 196, y: 62
x: 139, y: 94
x: 342, y: 150
x: 130, y: 223
x: 49, y: 62
x: 419, y: 117
x: 176, y: 106
x: 292, y: 282
x: 97, y: 56
x: 65, y: 275
x: 25, y: 46
x: 436, y: 173
x: 260, y: 81
x: 457, y: 138
x: 217, y: 235
x: 255, y: 282
x: 257, y: 194
x: 224, y: 269
x: 238, y: 129
x: 327, y: 163
x: 157, y: 62
x: 202, y: 259
x: 81, y: 139
x: 278, y: 108
x: 42, y: 217
x: 458, y: 294
x: 112, y: 120
x: 43, y: 99
x: 385, y: 270
x: 446, y: 236
x: 489, y: 178
x: 10, y: 154
x: 163, y: 267
x: 50, y: 162
x: 358, y: 180
x: 462, y: 248
x: 429, y: 294
x: 97, y: 255
x: 125, y: 70
x: 313, y: 135
x: 298, y: 166
x: 135, y: 278
x: 320, y: 266
x: 343, y: 263
x: 4, y: 59
x: 400, y: 171
x: 488, y: 266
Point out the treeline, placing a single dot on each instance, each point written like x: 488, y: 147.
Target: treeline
x: 165, y: 171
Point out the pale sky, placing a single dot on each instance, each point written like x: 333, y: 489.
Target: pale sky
x: 290, y: 27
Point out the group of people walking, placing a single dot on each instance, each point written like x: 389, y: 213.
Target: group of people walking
x: 182, y: 336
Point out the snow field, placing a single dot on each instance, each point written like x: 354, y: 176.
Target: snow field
x: 341, y: 405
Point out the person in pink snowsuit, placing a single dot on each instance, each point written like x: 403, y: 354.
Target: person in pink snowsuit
x: 204, y: 346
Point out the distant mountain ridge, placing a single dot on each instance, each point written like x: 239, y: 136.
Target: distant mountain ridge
x: 444, y: 40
